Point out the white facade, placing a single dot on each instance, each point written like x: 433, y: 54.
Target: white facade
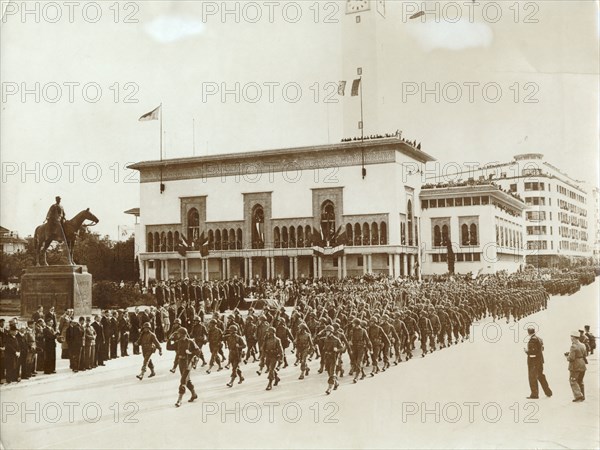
x: 557, y: 221
x: 483, y: 225
x: 378, y: 214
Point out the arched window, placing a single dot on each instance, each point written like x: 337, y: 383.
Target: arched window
x: 176, y: 240
x: 238, y: 241
x: 217, y: 239
x: 383, y: 233
x: 445, y: 235
x: 193, y: 224
x: 300, y: 237
x: 349, y: 235
x: 307, y: 236
x: 170, y: 241
x: 258, y: 227
x: 211, y: 240
x: 231, y: 239
x: 473, y: 234
x: 409, y: 214
x: 437, y: 236
x: 366, y: 235
x: 357, y: 234
x: 156, y: 241
x: 284, y: 237
x: 402, y: 233
x: 277, y: 237
x: 292, y: 237
x: 225, y: 240
x: 464, y: 234
x: 374, y: 234
x: 328, y: 219
x: 163, y: 242
x: 150, y: 243
x: 497, y: 235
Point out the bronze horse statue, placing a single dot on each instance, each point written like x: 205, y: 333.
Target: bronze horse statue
x: 44, y: 236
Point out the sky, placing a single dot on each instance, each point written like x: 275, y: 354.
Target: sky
x: 77, y: 76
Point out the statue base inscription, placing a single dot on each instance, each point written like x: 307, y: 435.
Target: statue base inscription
x: 63, y: 287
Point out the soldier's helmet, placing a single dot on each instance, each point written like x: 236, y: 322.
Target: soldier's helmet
x: 329, y: 328
x: 303, y: 326
x: 270, y: 330
x: 233, y: 328
x: 356, y: 321
x: 146, y: 325
x: 213, y: 322
x: 182, y: 331
x: 196, y: 318
x: 178, y: 321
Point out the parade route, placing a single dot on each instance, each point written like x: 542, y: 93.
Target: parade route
x: 471, y: 395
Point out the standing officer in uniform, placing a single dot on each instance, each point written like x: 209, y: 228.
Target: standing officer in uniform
x: 577, y: 360
x: 535, y: 365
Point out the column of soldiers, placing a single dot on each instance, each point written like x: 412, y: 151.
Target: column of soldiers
x: 368, y: 325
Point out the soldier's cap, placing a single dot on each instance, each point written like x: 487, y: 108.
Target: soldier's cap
x: 329, y: 328
x: 82, y: 319
x: 12, y: 327
x: 587, y: 327
x: 581, y: 331
x: 57, y: 198
x: 575, y: 334
x: 146, y: 325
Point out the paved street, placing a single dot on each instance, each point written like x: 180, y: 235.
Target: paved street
x: 471, y: 395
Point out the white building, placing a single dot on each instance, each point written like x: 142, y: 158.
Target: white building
x: 10, y: 242
x: 483, y: 225
x: 266, y: 213
x: 557, y: 221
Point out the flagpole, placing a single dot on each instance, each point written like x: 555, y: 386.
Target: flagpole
x: 362, y: 128
x: 162, y: 187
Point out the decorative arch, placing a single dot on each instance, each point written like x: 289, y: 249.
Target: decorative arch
x: 409, y: 213
x: 277, y: 237
x: 328, y: 219
x: 292, y: 243
x: 383, y: 233
x: 258, y: 226
x: 193, y: 225
x: 150, y: 243
x: 374, y: 234
x: 349, y: 234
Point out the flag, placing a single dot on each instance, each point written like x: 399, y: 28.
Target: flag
x: 125, y: 232
x: 342, y: 88
x: 203, y: 245
x: 317, y: 237
x: 152, y: 115
x: 355, y: 87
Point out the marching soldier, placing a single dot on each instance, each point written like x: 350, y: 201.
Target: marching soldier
x: 187, y: 353
x: 149, y: 344
x: 199, y: 335
x: 304, y: 345
x: 273, y: 355
x: 331, y: 348
x: 235, y: 344
x: 360, y: 343
x: 215, y: 338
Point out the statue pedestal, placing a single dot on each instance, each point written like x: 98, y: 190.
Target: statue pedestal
x: 60, y: 286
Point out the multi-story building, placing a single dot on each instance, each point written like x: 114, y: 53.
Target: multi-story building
x: 325, y: 211
x: 10, y: 242
x: 556, y: 222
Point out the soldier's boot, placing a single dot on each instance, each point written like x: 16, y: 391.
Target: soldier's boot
x: 328, y: 391
x: 230, y: 384
x: 209, y: 369
x: 285, y: 363
x: 270, y: 385
x: 141, y: 375
x: 203, y: 360
x: 336, y: 385
x: 227, y: 366
x: 178, y: 402
x: 259, y: 371
x: 341, y: 372
x: 193, y: 397
x: 277, y: 380
x: 301, y: 377
x: 307, y: 371
x: 152, y: 373
x: 173, y: 369
x: 363, y: 374
x: 321, y: 367
x: 220, y: 367
x: 239, y: 373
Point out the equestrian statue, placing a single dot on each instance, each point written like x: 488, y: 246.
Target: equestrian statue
x: 57, y: 228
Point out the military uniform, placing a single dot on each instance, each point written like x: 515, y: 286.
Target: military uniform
x: 535, y: 366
